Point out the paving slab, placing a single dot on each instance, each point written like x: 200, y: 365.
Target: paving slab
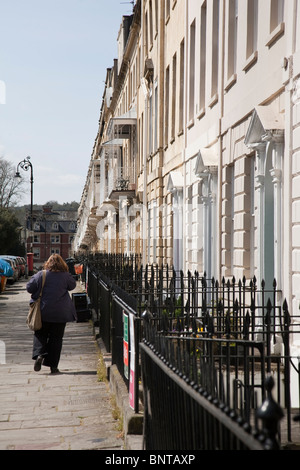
x: 41, y: 411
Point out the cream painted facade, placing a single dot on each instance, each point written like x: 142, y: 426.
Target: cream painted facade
x: 197, y: 158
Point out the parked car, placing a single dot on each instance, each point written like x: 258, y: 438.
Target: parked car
x: 19, y: 262
x: 5, y: 272
x: 13, y: 265
x: 23, y: 265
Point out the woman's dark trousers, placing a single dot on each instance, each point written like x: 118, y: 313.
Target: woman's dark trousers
x: 47, y: 342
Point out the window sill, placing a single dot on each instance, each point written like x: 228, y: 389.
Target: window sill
x: 214, y: 99
x: 275, y: 34
x: 252, y: 59
x: 230, y: 82
x: 190, y: 124
x: 201, y: 113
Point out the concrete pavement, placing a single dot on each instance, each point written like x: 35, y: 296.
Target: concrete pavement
x: 40, y: 411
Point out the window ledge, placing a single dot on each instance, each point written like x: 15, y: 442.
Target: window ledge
x: 252, y: 59
x: 190, y: 123
x: 214, y: 99
x: 230, y: 82
x: 275, y: 34
x: 201, y: 113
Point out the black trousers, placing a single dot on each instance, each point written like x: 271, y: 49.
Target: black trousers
x: 47, y: 342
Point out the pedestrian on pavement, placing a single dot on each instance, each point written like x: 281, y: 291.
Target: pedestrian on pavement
x: 57, y: 309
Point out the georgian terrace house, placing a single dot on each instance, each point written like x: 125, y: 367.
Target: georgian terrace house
x: 197, y: 158
x: 53, y: 232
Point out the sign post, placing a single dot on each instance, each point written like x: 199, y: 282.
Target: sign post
x: 132, y: 363
x: 125, y: 344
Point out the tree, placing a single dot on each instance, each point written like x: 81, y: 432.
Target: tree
x: 9, y: 233
x: 11, y: 188
x: 73, y: 205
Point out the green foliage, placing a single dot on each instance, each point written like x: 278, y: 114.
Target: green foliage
x: 9, y: 233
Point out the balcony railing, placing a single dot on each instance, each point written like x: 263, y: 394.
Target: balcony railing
x: 121, y: 182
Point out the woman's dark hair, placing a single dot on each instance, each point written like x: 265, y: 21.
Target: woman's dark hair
x: 56, y: 264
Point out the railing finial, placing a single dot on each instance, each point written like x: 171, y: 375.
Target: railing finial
x: 270, y: 413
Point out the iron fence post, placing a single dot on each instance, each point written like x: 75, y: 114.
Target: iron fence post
x: 270, y: 413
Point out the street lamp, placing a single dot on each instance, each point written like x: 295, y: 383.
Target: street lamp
x: 25, y: 165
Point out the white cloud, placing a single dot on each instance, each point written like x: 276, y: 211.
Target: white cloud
x: 68, y: 180
x: 52, y: 184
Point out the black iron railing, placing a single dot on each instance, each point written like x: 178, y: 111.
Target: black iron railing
x: 180, y: 415
x: 224, y: 338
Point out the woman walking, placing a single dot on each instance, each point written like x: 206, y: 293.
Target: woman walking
x: 57, y: 309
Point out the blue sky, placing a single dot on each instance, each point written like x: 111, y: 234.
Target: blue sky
x: 53, y: 60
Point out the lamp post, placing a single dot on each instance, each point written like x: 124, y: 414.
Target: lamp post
x: 26, y: 165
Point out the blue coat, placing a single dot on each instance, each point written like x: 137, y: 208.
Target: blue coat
x: 56, y: 303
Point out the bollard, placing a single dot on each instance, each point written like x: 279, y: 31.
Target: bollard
x: 270, y: 413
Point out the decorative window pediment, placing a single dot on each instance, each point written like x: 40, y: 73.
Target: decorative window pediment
x: 207, y: 162
x: 265, y: 125
x: 175, y: 181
